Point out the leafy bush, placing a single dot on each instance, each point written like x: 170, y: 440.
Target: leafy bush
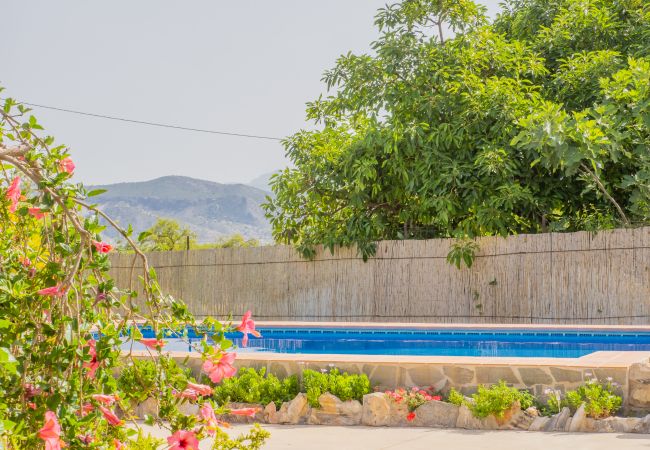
x: 455, y: 397
x: 143, y: 377
x: 251, y: 386
x: 342, y: 385
x: 497, y: 399
x: 599, y: 399
x: 253, y: 440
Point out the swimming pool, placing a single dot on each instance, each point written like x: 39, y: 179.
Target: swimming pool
x: 534, y: 342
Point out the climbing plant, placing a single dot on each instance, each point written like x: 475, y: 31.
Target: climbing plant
x: 65, y: 327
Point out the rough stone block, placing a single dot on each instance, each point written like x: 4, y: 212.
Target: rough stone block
x: 294, y: 412
x: 376, y: 410
x: 436, y: 414
x: 562, y: 375
x: 333, y: 411
x: 559, y: 421
x: 539, y: 424
x: 534, y: 375
x: 423, y: 375
x: 578, y: 419
x: 492, y: 375
x: 639, y: 382
x: 467, y: 421
x: 459, y: 375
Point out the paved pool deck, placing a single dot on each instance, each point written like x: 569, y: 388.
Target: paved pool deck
x: 286, y: 437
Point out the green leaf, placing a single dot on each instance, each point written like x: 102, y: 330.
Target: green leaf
x: 95, y: 192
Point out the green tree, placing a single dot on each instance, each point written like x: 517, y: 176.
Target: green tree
x: 236, y: 240
x: 536, y: 122
x: 165, y: 235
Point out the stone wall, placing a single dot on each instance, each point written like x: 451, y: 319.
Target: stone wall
x: 632, y: 380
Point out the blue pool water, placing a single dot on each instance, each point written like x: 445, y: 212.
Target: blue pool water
x: 432, y: 342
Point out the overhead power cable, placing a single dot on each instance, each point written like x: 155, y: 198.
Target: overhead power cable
x: 152, y: 124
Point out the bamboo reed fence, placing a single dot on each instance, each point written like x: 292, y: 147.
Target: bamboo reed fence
x: 590, y: 278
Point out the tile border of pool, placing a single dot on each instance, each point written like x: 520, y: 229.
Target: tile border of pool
x: 457, y: 326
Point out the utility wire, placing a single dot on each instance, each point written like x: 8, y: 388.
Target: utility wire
x: 153, y: 124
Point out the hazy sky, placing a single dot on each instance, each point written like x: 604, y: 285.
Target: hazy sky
x: 241, y: 66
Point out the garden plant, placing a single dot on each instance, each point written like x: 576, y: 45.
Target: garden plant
x: 65, y: 328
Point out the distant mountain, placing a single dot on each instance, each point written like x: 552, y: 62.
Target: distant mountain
x: 262, y: 182
x: 210, y: 209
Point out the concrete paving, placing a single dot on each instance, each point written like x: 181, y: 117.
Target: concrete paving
x: 370, y: 438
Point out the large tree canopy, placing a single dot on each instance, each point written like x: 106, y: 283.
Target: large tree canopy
x: 536, y: 122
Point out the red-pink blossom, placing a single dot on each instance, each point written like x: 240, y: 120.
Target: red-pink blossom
x: 410, y: 417
x: 93, y: 364
x: 25, y: 261
x: 183, y: 440
x: 250, y: 412
x: 110, y: 416
x: 66, y: 165
x: 202, y: 389
x: 85, y: 409
x: 13, y: 194
x: 187, y: 393
x: 102, y: 247
x: 247, y: 327
x: 53, y: 291
x: 51, y: 432
x: 105, y: 399
x: 210, y: 419
x: 31, y: 391
x: 152, y: 343
x: 85, y: 438
x: 36, y: 213
x: 223, y: 368
x: 118, y: 445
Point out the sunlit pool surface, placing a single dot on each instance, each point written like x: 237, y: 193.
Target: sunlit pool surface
x: 430, y: 342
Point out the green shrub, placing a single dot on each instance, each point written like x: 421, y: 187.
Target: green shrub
x: 455, y: 397
x: 599, y: 399
x: 250, y: 386
x: 142, y: 378
x: 343, y: 385
x: 497, y: 399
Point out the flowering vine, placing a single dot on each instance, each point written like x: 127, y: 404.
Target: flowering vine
x: 65, y: 327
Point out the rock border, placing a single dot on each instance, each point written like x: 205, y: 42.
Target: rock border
x: 378, y: 410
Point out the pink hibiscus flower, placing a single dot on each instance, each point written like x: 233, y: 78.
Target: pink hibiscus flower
x: 102, y: 247
x: 153, y: 343
x: 250, y: 412
x: 51, y: 432
x: 66, y: 165
x: 210, y: 419
x: 36, y: 213
x: 183, y: 440
x: 187, y: 393
x: 110, y: 416
x: 201, y: 389
x: 13, y: 194
x: 85, y: 409
x: 247, y: 327
x: 118, y: 445
x: 93, y: 364
x: 105, y: 399
x: 53, y: 291
x: 223, y: 368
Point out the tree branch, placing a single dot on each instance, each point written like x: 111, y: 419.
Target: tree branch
x: 602, y: 188
x: 16, y: 151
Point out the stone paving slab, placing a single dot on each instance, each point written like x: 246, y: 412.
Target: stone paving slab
x: 284, y: 437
